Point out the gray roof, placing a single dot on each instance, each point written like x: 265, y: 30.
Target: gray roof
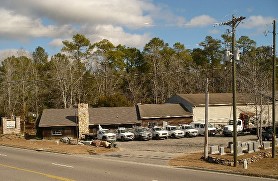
x: 214, y: 99
x: 58, y: 117
x: 148, y: 111
x: 113, y: 115
x: 104, y: 115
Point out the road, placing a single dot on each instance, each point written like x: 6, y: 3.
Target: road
x: 19, y: 164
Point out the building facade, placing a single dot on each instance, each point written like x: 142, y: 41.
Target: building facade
x: 56, y: 123
x: 220, y: 109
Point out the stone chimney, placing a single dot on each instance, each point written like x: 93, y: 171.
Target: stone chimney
x: 83, y: 119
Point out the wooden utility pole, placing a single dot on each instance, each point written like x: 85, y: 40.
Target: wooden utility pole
x: 234, y: 23
x: 206, y: 121
x: 273, y: 90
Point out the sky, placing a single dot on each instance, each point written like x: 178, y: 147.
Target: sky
x: 27, y: 24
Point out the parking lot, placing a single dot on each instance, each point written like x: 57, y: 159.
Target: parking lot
x: 161, y: 151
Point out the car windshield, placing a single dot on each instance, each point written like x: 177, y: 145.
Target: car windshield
x: 231, y: 122
x: 173, y: 128
x: 157, y: 129
x: 188, y: 127
x: 142, y: 129
x: 122, y: 131
x: 210, y: 125
x: 102, y: 131
x: 106, y: 131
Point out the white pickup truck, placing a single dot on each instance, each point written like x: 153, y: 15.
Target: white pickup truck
x: 188, y: 130
x: 174, y: 131
x: 124, y: 134
x: 201, y: 126
x: 159, y: 133
x: 229, y: 129
x: 106, y: 135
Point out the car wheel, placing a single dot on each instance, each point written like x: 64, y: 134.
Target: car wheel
x: 122, y: 138
x: 104, y: 138
x: 157, y: 137
x: 187, y: 135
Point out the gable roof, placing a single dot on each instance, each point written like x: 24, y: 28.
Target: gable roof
x: 215, y: 99
x: 113, y: 115
x: 58, y: 117
x: 104, y: 115
x: 147, y: 111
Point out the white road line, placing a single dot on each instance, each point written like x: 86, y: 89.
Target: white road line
x: 62, y: 165
x: 2, y: 154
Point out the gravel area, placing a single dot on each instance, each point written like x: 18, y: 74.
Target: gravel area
x: 176, y: 146
x: 161, y: 151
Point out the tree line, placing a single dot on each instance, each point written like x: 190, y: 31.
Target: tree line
x: 106, y: 75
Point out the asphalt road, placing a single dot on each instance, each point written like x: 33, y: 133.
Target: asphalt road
x: 19, y: 164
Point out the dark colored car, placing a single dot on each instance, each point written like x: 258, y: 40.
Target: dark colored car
x: 267, y: 134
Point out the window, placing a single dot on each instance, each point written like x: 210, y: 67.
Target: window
x: 56, y: 132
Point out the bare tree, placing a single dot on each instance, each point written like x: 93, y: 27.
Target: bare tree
x: 254, y: 79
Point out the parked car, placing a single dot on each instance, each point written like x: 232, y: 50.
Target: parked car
x: 142, y: 133
x: 200, y: 126
x: 188, y: 130
x: 106, y: 135
x: 124, y: 134
x: 267, y: 134
x: 174, y: 131
x: 159, y: 133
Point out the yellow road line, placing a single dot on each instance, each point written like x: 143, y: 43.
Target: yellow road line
x: 40, y: 173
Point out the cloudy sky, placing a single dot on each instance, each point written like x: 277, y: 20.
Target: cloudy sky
x: 27, y: 24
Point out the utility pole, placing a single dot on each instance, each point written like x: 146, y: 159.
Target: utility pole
x: 233, y: 24
x: 206, y: 120
x: 273, y: 90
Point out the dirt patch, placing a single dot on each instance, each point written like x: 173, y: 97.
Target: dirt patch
x: 265, y: 167
x: 51, y: 145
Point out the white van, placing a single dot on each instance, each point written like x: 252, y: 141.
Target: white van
x: 200, y: 126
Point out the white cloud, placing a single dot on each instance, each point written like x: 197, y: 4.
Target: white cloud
x: 122, y: 12
x: 257, y: 22
x: 200, y: 21
x: 57, y: 42
x: 118, y: 36
x: 22, y: 27
x: 60, y: 20
x: 110, y: 19
x: 114, y: 34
